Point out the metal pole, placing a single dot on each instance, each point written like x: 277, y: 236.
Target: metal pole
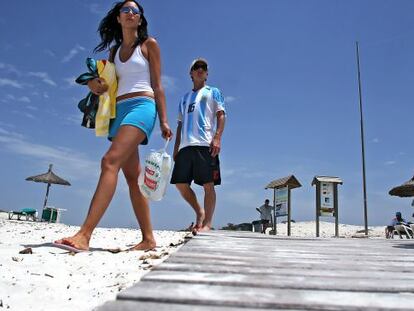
x: 362, y: 144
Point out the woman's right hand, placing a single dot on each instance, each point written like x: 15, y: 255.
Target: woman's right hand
x: 98, y: 86
x: 166, y: 132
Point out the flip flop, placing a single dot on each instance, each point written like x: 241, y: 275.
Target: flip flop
x: 68, y: 247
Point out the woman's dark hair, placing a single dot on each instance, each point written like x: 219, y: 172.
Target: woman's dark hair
x: 110, y: 30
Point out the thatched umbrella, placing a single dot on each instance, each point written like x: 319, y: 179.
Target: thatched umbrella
x: 48, y: 178
x: 405, y: 190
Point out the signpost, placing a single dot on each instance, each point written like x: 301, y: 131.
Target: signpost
x: 281, y: 199
x: 326, y: 199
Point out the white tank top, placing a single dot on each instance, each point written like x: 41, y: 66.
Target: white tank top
x: 134, y: 74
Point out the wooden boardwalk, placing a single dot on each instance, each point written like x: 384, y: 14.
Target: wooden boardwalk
x: 228, y: 271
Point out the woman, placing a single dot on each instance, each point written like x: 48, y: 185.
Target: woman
x: 140, y: 96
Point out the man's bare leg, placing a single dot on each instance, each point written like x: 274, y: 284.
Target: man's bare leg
x: 131, y: 171
x: 126, y: 142
x: 188, y: 194
x: 209, y: 205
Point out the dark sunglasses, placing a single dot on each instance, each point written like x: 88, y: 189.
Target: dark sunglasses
x: 197, y: 66
x: 127, y: 9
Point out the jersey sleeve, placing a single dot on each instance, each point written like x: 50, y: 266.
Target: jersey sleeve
x: 180, y: 111
x: 218, y: 100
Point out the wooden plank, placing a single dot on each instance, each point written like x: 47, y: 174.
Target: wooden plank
x: 338, y: 249
x: 270, y: 271
x: 292, y: 263
x: 354, y: 284
x: 252, y: 297
x: 320, y: 242
x: 386, y: 257
x: 131, y: 305
x: 350, y: 243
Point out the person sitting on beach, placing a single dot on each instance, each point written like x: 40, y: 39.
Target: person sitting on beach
x: 265, y: 215
x: 140, y: 97
x: 398, y: 220
x: 201, y: 118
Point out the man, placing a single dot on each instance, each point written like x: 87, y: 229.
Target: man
x: 201, y: 118
x: 398, y: 220
x: 265, y: 215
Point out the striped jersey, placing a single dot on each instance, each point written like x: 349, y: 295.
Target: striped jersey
x: 197, y: 113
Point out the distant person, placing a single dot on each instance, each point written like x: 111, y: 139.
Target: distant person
x: 140, y: 97
x: 265, y: 215
x: 201, y: 118
x: 398, y: 220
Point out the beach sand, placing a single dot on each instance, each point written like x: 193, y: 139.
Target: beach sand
x: 54, y: 279
x: 327, y: 230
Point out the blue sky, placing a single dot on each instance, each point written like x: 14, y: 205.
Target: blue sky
x: 286, y: 68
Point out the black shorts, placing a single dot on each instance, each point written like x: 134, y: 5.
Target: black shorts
x: 196, y: 163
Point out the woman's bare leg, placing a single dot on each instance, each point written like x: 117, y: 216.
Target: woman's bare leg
x: 124, y: 144
x: 131, y: 171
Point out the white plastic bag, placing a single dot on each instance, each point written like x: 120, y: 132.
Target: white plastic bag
x: 155, y: 174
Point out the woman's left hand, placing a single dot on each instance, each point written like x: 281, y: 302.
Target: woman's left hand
x: 165, y: 130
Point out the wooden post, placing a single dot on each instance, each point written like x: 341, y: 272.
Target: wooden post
x: 274, y: 212
x: 335, y: 189
x: 289, y: 218
x: 318, y: 205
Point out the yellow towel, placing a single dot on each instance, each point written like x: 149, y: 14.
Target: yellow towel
x: 107, y: 101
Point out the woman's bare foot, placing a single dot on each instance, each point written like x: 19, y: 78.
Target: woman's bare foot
x: 144, y: 245
x: 78, y: 241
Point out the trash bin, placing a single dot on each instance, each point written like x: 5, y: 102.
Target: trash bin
x: 257, y: 226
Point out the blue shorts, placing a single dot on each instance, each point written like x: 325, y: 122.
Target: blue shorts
x: 140, y: 112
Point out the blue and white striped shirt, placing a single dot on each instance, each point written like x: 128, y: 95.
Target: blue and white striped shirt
x: 197, y: 112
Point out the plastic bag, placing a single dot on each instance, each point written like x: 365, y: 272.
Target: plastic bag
x: 154, y: 177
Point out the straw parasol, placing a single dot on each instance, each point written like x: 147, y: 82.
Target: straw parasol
x: 405, y: 190
x: 48, y: 178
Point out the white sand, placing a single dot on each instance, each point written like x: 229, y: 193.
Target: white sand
x: 327, y: 230
x: 54, y: 279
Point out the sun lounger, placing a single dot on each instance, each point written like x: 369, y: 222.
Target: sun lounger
x: 52, y: 214
x: 28, y: 213
x: 404, y: 230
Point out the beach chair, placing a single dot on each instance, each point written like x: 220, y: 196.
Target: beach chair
x: 28, y: 213
x: 402, y: 229
x: 52, y: 214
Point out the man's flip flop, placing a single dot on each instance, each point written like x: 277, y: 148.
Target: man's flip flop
x: 68, y: 247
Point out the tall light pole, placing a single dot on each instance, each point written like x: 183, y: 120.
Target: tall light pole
x: 362, y: 143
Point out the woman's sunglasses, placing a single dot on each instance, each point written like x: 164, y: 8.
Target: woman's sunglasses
x: 127, y: 9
